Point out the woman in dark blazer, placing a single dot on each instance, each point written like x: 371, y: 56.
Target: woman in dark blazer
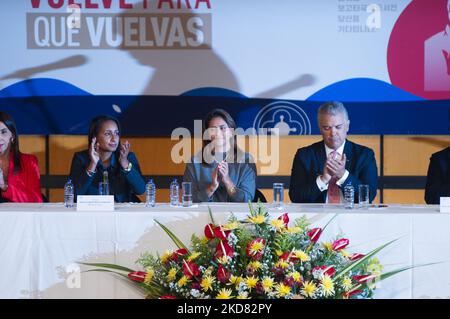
x: 107, y: 153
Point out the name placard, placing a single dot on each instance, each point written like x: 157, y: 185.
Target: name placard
x: 445, y: 205
x: 104, y: 203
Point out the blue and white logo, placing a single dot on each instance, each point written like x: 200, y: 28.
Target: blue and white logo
x: 282, y: 118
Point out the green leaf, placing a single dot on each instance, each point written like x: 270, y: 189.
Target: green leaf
x: 172, y: 236
x: 211, y: 216
x: 323, y: 229
x: 250, y: 206
x: 107, y: 270
x: 394, y: 272
x: 362, y: 260
x: 139, y: 284
x: 109, y: 266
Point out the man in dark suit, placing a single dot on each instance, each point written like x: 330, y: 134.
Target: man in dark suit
x: 322, y: 170
x: 438, y: 177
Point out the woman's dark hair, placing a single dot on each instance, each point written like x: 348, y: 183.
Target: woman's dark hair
x: 11, y: 125
x: 224, y: 115
x: 96, y: 125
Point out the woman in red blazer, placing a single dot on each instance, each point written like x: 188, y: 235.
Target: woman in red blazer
x: 19, y: 173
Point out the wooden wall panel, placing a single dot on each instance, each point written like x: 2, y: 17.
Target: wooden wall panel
x: 410, y: 155
x: 62, y: 148
x: 34, y: 144
x: 404, y: 196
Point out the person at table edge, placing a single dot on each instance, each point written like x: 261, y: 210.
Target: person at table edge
x: 333, y: 159
x: 107, y: 153
x: 438, y: 177
x: 19, y: 172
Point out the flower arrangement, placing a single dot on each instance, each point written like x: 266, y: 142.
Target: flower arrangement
x: 258, y: 257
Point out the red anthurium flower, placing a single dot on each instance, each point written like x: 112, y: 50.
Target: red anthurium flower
x: 356, y: 256
x: 223, y: 275
x: 209, y: 231
x: 363, y: 278
x: 255, y: 248
x: 352, y: 293
x: 327, y: 270
x: 137, y: 276
x: 289, y: 256
x: 314, y: 234
x: 190, y: 269
x: 223, y: 249
x: 167, y: 297
x: 178, y: 253
x: 340, y: 244
x: 220, y: 233
x: 285, y: 219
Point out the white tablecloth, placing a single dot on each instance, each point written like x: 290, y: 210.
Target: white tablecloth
x: 41, y: 243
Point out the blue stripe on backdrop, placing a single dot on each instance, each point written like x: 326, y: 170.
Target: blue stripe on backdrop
x: 159, y: 115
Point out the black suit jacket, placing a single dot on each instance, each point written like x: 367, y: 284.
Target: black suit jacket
x: 438, y: 177
x: 123, y: 185
x: 309, y: 162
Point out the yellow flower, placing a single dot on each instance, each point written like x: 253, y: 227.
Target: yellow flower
x: 301, y: 255
x: 255, y: 265
x: 327, y: 286
x: 256, y: 247
x: 267, y: 284
x: 279, y: 253
x: 231, y: 226
x: 347, y: 284
x: 278, y: 224
x: 165, y: 257
x: 283, y: 290
x: 243, y: 295
x: 208, y: 271
x: 328, y: 246
x: 193, y: 256
x: 296, y: 276
x: 183, y: 280
x: 374, y: 266
x: 294, y: 230
x: 207, y: 282
x: 258, y: 219
x: 345, y: 253
x: 149, y: 275
x: 309, y: 289
x: 172, y: 274
x: 251, y: 282
x: 223, y: 260
x: 234, y: 280
x: 224, y: 294
x: 281, y: 264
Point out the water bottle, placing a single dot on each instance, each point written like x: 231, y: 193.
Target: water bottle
x: 174, y: 193
x: 150, y: 193
x: 103, y: 186
x: 69, y: 191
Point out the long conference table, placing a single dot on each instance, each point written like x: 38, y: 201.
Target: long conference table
x: 40, y: 244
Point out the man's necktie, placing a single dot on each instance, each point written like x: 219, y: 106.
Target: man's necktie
x: 334, y: 196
